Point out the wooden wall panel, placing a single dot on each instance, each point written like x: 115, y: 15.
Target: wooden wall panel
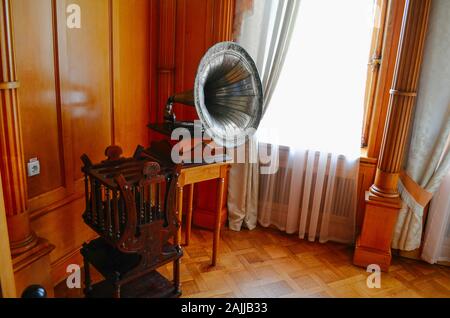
x: 38, y: 101
x: 83, y: 89
x: 194, y: 36
x: 153, y: 57
x: 166, y: 55
x: 131, y: 80
x: 187, y: 29
x: 98, y: 84
x: 85, y: 70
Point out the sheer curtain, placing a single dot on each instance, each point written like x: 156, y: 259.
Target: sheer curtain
x: 264, y: 29
x: 315, y: 114
x: 436, y: 246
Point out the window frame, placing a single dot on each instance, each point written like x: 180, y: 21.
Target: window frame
x: 381, y: 67
x: 373, y: 66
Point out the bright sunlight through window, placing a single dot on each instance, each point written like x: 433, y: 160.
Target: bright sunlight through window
x: 318, y: 102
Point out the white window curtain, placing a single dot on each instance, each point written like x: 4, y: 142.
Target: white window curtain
x: 436, y: 247
x: 316, y: 115
x: 312, y: 194
x: 264, y: 29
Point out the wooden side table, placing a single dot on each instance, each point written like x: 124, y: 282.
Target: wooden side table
x: 191, y: 175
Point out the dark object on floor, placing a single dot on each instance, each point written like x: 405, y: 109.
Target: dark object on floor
x: 131, y: 204
x: 34, y: 291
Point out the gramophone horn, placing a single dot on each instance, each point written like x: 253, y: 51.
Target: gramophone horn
x: 227, y: 95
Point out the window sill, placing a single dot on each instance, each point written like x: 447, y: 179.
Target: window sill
x: 365, y: 159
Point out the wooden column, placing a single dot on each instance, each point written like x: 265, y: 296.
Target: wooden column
x: 383, y: 201
x: 30, y: 255
x: 12, y: 163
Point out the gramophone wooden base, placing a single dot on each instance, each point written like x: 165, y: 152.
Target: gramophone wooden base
x: 152, y: 285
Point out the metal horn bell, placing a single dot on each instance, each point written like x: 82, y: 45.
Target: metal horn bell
x: 227, y: 95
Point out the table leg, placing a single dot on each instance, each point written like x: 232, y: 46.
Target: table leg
x: 176, y: 276
x: 220, y: 192
x: 87, y: 278
x: 180, y: 212
x: 189, y: 215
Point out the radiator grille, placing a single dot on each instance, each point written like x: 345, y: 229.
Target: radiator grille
x: 343, y: 192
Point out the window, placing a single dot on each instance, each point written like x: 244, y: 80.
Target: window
x: 378, y: 32
x: 318, y: 102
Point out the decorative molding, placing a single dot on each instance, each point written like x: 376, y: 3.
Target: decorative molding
x: 166, y: 54
x: 9, y: 85
x: 400, y: 93
x: 22, y: 261
x: 111, y: 69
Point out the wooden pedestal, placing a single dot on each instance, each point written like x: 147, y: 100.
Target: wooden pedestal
x: 373, y: 246
x: 34, y: 267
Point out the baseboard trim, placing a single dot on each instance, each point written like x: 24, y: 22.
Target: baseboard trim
x: 59, y: 267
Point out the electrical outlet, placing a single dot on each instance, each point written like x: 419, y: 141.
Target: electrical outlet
x: 34, y: 167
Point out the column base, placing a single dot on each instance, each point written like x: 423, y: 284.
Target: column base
x: 34, y: 267
x: 374, y: 244
x: 365, y: 256
x: 21, y: 237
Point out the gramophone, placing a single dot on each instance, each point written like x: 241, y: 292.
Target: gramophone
x: 227, y: 96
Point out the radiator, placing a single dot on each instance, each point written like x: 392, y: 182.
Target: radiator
x: 343, y: 194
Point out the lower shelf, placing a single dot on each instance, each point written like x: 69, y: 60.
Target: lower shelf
x: 152, y: 285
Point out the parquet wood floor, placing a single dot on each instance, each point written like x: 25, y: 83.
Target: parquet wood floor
x: 268, y: 263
